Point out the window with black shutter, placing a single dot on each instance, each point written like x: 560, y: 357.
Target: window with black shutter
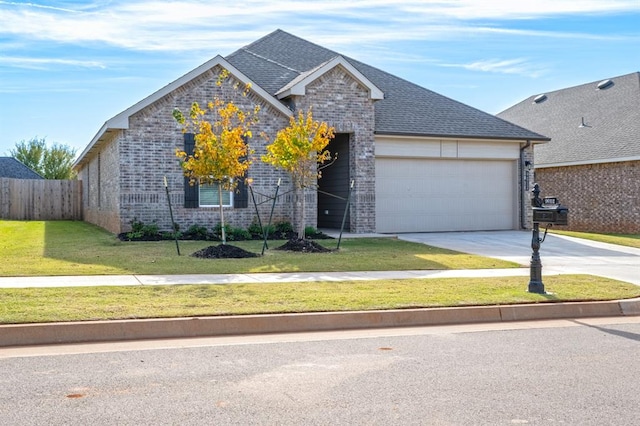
x: 191, y: 192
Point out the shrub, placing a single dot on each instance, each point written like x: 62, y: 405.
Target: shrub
x: 197, y: 232
x: 255, y: 231
x: 269, y: 230
x: 168, y: 235
x: 238, y: 234
x: 284, y: 227
x: 140, y: 230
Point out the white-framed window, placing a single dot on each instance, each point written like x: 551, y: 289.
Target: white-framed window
x: 209, y: 196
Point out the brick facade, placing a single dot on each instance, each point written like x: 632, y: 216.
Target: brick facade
x: 600, y: 197
x: 123, y: 174
x: 527, y: 174
x: 124, y: 179
x: 345, y: 104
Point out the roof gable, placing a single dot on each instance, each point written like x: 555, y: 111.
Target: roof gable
x: 121, y: 120
x: 591, y: 123
x: 298, y: 85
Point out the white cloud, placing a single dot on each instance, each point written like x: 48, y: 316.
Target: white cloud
x: 199, y: 25
x: 519, y: 66
x: 510, y: 9
x: 44, y: 63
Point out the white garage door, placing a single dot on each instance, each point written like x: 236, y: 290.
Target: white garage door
x: 431, y: 195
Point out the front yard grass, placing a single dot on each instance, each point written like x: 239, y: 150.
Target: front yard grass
x: 78, y: 248
x: 41, y: 305
x: 630, y: 240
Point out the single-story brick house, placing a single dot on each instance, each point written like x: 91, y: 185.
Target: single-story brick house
x: 592, y: 163
x: 419, y: 161
x: 16, y: 169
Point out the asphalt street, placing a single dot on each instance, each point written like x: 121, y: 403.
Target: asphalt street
x: 572, y: 372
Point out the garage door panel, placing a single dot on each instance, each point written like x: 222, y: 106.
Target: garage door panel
x: 428, y: 195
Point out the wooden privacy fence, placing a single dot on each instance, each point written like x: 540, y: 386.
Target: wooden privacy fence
x: 40, y: 199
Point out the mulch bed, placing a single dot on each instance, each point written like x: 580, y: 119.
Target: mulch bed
x: 303, y: 245
x: 223, y: 251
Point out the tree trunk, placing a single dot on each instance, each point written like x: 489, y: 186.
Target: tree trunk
x: 302, y: 214
x: 224, y: 237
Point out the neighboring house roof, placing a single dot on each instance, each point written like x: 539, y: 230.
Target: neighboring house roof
x: 281, y: 64
x: 12, y: 168
x: 597, y: 122
x: 276, y: 60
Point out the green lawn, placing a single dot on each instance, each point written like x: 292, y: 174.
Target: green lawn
x: 78, y: 248
x: 630, y: 240
x: 34, y: 305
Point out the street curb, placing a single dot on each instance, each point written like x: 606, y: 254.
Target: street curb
x: 121, y: 330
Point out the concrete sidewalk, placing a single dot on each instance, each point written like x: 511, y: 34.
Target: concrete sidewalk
x: 135, y: 280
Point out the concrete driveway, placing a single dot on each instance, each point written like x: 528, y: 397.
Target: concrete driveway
x: 559, y: 254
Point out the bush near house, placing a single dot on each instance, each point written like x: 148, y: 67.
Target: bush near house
x: 278, y: 231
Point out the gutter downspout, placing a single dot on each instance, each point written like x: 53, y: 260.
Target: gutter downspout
x: 522, y: 183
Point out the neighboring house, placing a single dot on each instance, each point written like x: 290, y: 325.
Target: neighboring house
x: 15, y: 169
x: 419, y: 161
x: 592, y: 163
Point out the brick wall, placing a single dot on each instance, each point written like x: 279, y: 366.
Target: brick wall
x: 600, y: 197
x: 100, y: 186
x: 343, y: 103
x: 526, y: 185
x: 147, y: 155
x: 124, y: 181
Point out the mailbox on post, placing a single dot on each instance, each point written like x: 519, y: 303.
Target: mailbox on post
x: 550, y: 212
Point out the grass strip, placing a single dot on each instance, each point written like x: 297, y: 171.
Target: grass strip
x: 41, y: 305
x: 629, y: 240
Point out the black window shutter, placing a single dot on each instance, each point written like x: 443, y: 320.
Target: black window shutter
x: 241, y: 197
x: 191, y: 192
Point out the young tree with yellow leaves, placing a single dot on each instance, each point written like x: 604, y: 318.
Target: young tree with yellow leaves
x: 221, y: 154
x: 300, y: 150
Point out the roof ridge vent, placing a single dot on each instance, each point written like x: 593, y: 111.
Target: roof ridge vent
x: 604, y: 84
x: 539, y: 98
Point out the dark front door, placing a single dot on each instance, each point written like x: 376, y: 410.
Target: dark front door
x: 333, y: 187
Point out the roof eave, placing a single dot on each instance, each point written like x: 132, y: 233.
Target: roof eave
x: 535, y: 140
x: 587, y: 162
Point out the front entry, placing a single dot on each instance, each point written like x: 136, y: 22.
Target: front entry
x: 333, y: 187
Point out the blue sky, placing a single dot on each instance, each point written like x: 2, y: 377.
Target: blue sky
x: 68, y: 66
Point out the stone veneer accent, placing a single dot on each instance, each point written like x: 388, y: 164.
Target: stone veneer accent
x: 600, y: 197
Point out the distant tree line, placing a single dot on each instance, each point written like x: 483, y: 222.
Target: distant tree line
x: 54, y: 162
